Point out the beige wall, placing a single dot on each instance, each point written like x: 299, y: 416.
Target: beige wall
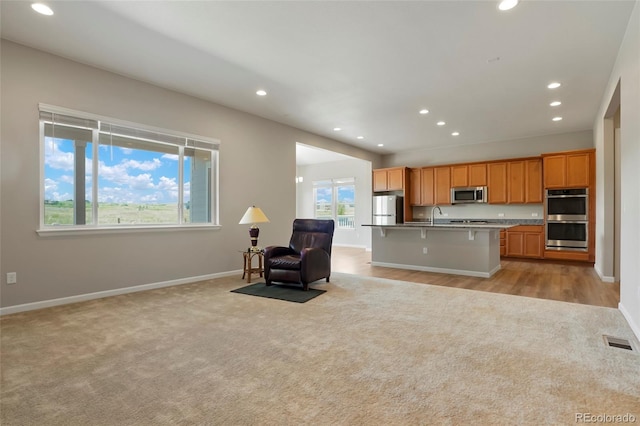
x: 526, y: 147
x: 626, y: 71
x: 257, y: 166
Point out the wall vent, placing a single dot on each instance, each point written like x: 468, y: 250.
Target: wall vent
x: 616, y: 342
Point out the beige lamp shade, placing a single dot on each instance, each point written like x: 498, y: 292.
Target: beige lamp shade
x: 253, y: 215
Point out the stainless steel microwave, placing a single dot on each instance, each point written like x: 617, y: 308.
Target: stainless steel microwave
x: 477, y: 194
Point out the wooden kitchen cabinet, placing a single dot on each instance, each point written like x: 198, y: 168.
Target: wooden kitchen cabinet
x: 391, y: 179
x: 524, y: 181
x: 533, y: 181
x: 568, y: 169
x: 422, y: 182
x: 468, y: 175
x: 415, y: 187
x: 477, y: 174
x: 459, y: 176
x: 515, y: 185
x: 525, y: 241
x: 428, y: 186
x: 442, y: 185
x: 497, y: 183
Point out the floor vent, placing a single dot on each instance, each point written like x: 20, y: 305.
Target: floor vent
x: 616, y: 342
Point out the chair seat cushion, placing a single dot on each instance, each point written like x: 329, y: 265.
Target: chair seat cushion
x: 290, y: 262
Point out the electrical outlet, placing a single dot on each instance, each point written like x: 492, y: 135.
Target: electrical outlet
x: 12, y: 277
x: 534, y: 214
x: 500, y: 214
x: 445, y: 214
x: 425, y: 250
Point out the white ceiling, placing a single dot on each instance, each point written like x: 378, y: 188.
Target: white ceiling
x: 365, y: 66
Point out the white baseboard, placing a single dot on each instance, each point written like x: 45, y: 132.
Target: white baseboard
x: 634, y: 327
x: 350, y: 245
x: 604, y: 278
x: 107, y: 293
x: 439, y: 270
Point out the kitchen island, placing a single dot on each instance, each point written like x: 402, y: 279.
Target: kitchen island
x: 471, y: 249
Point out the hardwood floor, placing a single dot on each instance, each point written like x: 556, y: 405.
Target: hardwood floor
x: 563, y: 281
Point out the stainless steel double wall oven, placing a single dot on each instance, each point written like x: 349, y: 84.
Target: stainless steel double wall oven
x: 567, y: 219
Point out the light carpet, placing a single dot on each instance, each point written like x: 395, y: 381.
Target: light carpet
x: 369, y: 351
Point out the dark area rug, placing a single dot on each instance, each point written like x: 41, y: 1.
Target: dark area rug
x: 281, y: 292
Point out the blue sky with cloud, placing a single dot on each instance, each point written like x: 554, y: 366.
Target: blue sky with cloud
x: 125, y: 175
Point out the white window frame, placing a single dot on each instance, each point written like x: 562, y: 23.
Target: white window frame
x: 334, y: 183
x: 210, y: 144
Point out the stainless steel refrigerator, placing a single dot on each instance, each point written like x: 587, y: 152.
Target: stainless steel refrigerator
x: 387, y: 210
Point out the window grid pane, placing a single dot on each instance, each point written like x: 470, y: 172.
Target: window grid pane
x: 335, y: 199
x: 143, y: 177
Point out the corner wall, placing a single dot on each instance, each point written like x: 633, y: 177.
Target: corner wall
x: 627, y: 71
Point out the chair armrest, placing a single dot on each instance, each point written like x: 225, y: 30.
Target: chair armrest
x: 275, y: 251
x: 315, y: 263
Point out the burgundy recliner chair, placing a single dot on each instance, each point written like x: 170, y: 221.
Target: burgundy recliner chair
x: 308, y: 257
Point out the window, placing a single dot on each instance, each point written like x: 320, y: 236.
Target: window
x: 335, y: 198
x: 104, y: 173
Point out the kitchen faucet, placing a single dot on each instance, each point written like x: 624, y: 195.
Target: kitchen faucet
x: 433, y: 213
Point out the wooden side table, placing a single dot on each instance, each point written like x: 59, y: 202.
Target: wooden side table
x: 248, y: 268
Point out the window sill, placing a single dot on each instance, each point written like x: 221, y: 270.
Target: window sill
x: 95, y: 230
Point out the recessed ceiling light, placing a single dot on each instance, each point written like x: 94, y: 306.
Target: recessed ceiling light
x: 261, y: 93
x: 380, y: 144
x: 337, y: 129
x: 557, y: 118
x: 441, y: 123
x: 359, y: 137
x: 555, y: 103
x: 42, y: 8
x: 507, y: 4
x: 554, y: 85
x: 455, y: 134
x: 424, y: 111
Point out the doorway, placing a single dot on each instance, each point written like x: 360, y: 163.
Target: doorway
x: 335, y: 185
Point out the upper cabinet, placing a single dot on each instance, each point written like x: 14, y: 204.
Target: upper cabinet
x: 569, y: 169
x: 497, y: 183
x: 466, y: 175
x: 524, y: 184
x: 442, y: 185
x: 391, y: 179
x: 422, y: 186
x: 477, y: 174
x: 533, y: 181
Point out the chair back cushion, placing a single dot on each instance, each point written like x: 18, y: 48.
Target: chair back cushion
x: 312, y: 233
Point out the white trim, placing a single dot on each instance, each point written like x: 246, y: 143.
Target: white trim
x: 108, y: 293
x: 603, y: 277
x: 123, y: 229
x: 439, y: 270
x: 634, y: 327
x: 350, y: 245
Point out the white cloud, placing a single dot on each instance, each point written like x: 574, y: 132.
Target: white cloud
x: 50, y: 185
x: 55, y: 158
x: 142, y: 165
x: 66, y: 179
x: 173, y: 157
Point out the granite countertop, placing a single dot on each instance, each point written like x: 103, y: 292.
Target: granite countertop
x: 446, y: 225
x: 466, y: 223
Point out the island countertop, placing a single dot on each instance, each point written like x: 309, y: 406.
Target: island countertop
x: 463, y: 248
x: 474, y: 226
